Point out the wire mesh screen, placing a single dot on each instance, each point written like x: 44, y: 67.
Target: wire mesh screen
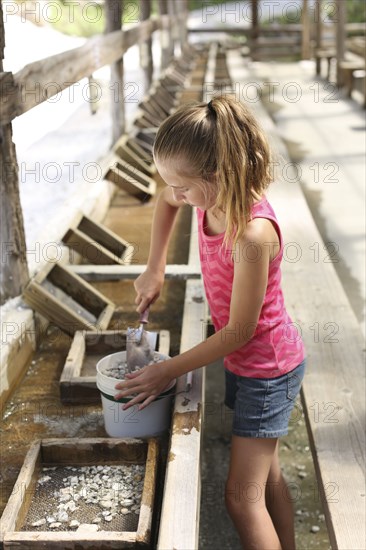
x: 66, y: 497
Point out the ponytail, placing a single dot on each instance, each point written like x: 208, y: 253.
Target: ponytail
x: 243, y: 163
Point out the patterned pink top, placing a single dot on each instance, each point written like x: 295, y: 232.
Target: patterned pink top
x: 276, y: 346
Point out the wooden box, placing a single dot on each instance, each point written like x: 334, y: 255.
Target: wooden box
x: 130, y: 179
x: 97, y: 244
x: 32, y: 499
x: 78, y: 378
x: 128, y: 150
x: 68, y: 301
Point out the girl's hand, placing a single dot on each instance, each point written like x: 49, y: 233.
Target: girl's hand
x: 148, y: 286
x: 148, y: 383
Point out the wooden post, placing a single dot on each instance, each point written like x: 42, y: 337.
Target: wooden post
x: 114, y: 9
x: 255, y: 30
x: 318, y: 33
x: 172, y: 12
x: 182, y: 12
x: 146, y: 59
x: 305, y: 34
x: 341, y: 37
x: 14, y: 269
x: 164, y: 36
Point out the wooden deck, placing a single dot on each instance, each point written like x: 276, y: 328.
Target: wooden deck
x: 334, y: 387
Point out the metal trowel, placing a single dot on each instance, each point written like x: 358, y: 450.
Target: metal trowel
x: 140, y: 344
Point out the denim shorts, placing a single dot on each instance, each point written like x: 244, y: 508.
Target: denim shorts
x: 262, y: 406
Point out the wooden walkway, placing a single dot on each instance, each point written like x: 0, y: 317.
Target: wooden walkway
x: 334, y: 388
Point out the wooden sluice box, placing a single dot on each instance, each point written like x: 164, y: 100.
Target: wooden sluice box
x: 83, y: 493
x: 78, y: 378
x: 96, y: 243
x: 68, y: 301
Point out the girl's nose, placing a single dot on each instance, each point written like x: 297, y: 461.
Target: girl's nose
x: 178, y: 195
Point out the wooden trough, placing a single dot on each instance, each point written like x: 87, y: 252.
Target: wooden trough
x: 96, y: 243
x: 78, y: 378
x: 30, y: 499
x: 66, y: 300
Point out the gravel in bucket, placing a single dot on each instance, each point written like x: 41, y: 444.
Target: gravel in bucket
x: 118, y: 369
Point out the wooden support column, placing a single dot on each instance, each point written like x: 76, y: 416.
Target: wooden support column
x: 341, y: 37
x: 305, y: 34
x: 146, y: 58
x: 164, y: 35
x: 182, y: 12
x: 255, y: 30
x: 14, y: 269
x: 174, y: 30
x: 318, y: 33
x: 114, y: 10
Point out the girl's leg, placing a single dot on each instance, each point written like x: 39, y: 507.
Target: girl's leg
x: 250, y: 463
x: 279, y: 504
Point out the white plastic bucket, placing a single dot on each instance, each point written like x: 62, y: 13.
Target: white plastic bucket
x: 152, y: 420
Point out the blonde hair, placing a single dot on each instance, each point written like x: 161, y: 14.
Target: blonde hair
x: 222, y: 143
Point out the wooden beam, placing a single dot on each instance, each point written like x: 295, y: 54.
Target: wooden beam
x: 305, y: 35
x: 179, y: 527
x: 182, y: 12
x: 146, y: 58
x: 114, y: 10
x: 119, y: 272
x: 32, y: 84
x: 164, y: 34
x: 14, y: 268
x: 255, y: 29
x: 318, y: 33
x: 341, y: 36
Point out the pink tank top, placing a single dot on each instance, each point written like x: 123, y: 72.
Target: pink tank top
x: 276, y: 347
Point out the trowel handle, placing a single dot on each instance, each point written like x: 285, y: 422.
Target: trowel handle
x: 145, y: 315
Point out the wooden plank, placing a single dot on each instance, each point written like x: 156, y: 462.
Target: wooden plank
x: 334, y: 386
x: 164, y: 342
x: 117, y: 272
x: 23, y: 487
x: 180, y: 527
x: 148, y: 494
x: 32, y: 83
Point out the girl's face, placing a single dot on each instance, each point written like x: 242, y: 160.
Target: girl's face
x: 191, y: 190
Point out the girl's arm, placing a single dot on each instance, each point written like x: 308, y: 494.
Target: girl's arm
x: 149, y: 284
x: 248, y: 291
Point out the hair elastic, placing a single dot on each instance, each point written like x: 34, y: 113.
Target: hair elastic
x: 210, y: 107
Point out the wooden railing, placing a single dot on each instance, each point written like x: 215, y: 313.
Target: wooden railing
x: 41, y: 80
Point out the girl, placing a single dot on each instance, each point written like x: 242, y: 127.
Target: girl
x: 215, y: 157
